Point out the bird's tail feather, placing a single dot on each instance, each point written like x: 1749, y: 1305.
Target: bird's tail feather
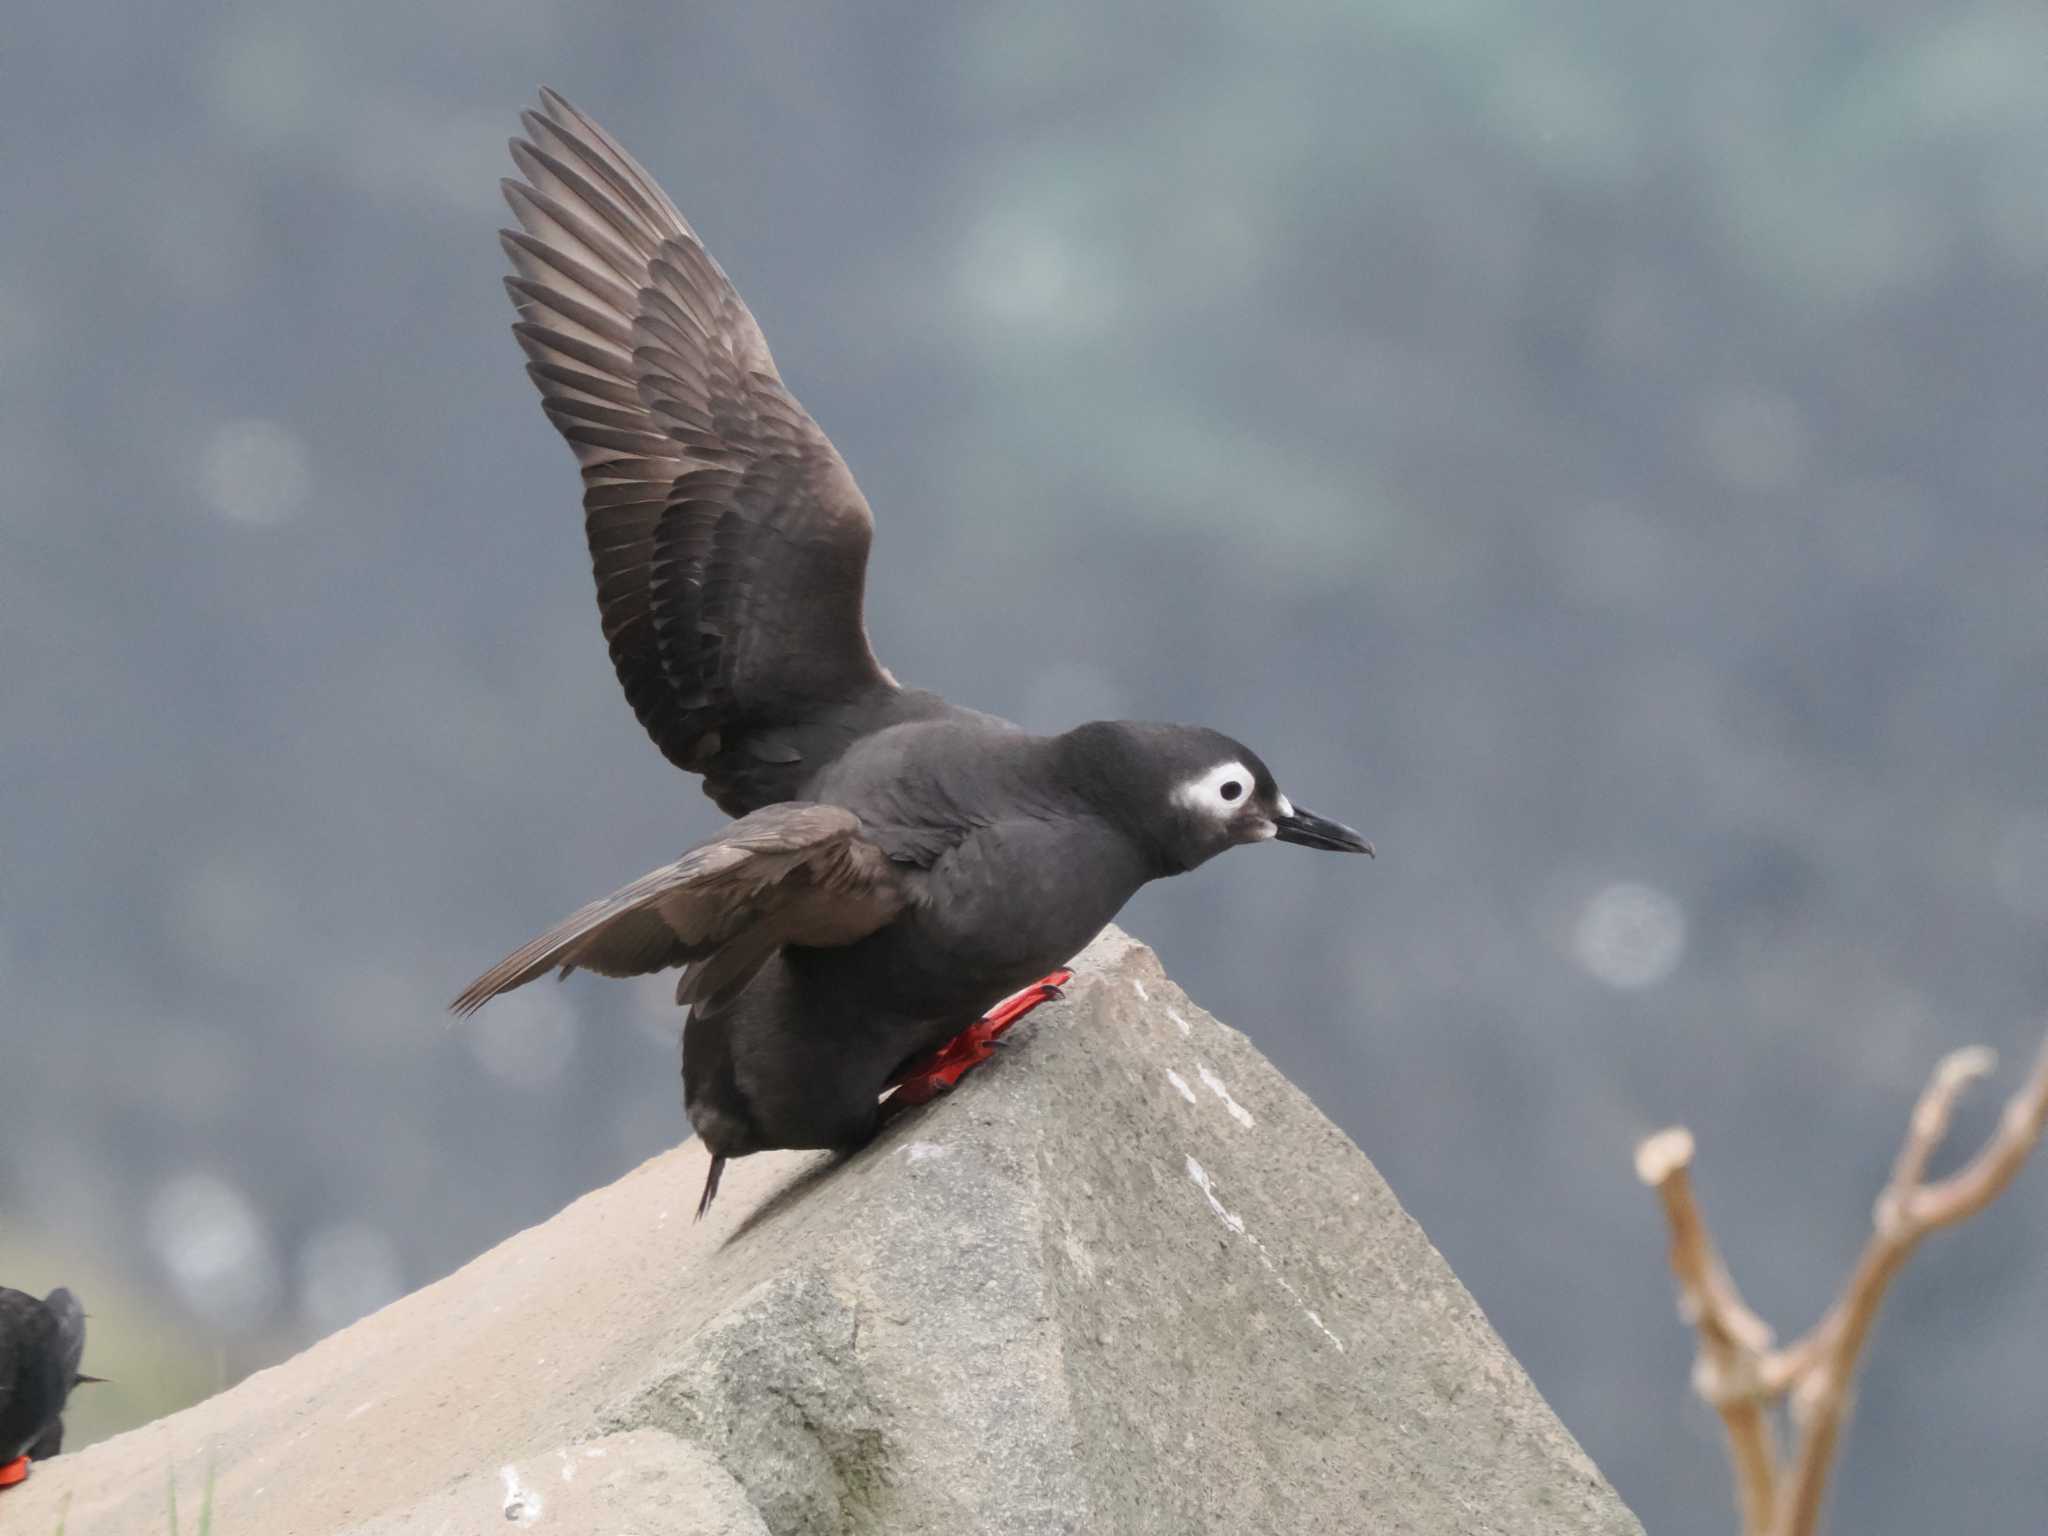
x: 711, y: 1177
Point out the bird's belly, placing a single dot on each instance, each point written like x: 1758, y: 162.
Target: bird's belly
x: 798, y: 1059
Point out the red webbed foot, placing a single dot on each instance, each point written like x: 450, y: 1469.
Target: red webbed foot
x: 12, y: 1472
x: 934, y: 1073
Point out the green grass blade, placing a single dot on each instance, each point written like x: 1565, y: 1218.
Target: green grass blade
x: 206, y: 1502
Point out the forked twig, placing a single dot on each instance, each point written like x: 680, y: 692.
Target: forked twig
x: 1737, y: 1370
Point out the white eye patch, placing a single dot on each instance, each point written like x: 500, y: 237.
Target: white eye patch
x: 1221, y: 792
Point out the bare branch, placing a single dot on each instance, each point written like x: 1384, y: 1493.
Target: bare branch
x: 1731, y: 1336
x: 1739, y: 1373
x: 1983, y: 1179
x: 1929, y: 1125
x: 1906, y: 1212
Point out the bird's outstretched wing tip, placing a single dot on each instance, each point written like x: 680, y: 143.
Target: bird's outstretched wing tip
x: 472, y: 997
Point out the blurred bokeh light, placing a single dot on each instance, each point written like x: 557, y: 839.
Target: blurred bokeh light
x: 1630, y: 935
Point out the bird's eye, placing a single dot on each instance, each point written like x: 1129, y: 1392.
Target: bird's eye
x: 1231, y: 789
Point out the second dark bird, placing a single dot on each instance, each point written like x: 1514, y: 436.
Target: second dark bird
x: 898, y: 863
x: 41, y: 1345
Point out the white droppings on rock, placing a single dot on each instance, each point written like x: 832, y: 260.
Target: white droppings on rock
x: 922, y: 1151
x: 1217, y: 1086
x: 1138, y: 987
x: 1079, y: 1256
x: 1181, y: 1085
x: 522, y: 1504
x: 1199, y: 1177
x: 1185, y: 1027
x: 358, y: 1411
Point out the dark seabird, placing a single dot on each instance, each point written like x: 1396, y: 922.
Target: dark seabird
x: 898, y: 863
x: 41, y: 1343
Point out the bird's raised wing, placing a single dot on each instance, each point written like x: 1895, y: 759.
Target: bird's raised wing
x: 729, y: 540
x: 787, y: 874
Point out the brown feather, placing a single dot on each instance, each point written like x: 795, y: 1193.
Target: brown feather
x: 728, y: 540
x: 792, y: 873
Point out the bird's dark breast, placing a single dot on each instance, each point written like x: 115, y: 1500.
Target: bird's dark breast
x: 800, y: 1057
x: 32, y: 1385
x: 1010, y: 902
x: 1008, y: 874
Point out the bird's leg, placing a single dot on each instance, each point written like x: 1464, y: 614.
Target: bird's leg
x: 931, y: 1074
x: 12, y: 1472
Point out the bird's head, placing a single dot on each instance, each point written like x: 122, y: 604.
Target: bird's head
x: 1192, y: 793
x: 69, y: 1317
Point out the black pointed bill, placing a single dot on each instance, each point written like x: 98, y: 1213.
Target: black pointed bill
x: 1313, y: 831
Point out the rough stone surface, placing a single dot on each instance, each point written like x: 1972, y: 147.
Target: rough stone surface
x: 1125, y: 1279
x: 640, y: 1483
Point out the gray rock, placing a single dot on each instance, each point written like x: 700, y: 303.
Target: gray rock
x: 642, y: 1481
x: 1125, y: 1279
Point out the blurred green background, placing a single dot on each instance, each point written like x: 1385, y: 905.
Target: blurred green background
x: 1596, y: 450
